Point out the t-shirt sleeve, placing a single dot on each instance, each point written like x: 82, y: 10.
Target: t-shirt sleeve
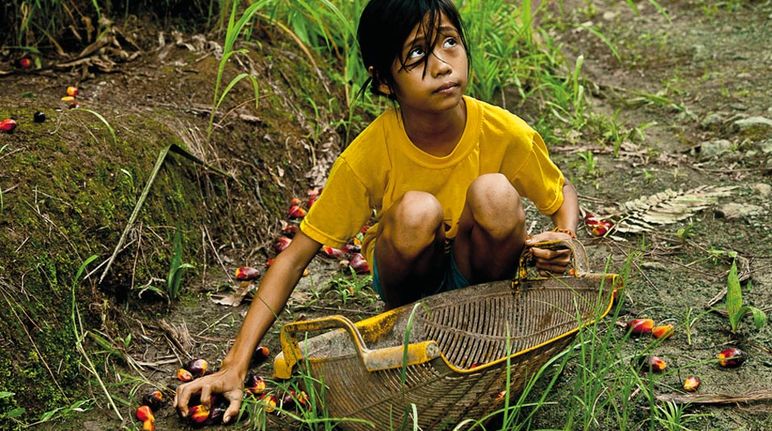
x: 341, y: 210
x: 539, y: 179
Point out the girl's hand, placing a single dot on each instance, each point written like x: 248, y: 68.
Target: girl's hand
x: 557, y: 261
x: 227, y: 382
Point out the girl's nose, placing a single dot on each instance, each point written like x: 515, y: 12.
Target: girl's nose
x: 438, y: 65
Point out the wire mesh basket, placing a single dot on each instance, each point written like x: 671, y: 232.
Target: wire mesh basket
x: 446, y: 356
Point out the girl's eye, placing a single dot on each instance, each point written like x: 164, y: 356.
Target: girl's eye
x: 415, y: 53
x: 449, y: 42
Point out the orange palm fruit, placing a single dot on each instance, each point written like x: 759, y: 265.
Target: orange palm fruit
x: 148, y: 425
x: 270, y: 402
x: 144, y: 413
x: 692, y: 383
x: 261, y: 354
x: 296, y: 211
x: 640, y: 326
x: 255, y: 384
x: 72, y: 91
x: 662, y: 331
x: 654, y: 364
x: 154, y: 399
x: 184, y: 375
x: 199, y: 413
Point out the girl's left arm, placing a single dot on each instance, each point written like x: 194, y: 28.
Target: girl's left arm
x: 567, y: 216
x: 565, y: 220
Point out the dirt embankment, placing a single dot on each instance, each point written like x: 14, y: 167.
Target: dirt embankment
x: 70, y: 184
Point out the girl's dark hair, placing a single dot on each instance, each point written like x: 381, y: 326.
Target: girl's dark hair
x: 385, y: 25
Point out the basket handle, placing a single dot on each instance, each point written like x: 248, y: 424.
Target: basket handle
x: 373, y: 360
x: 579, y: 262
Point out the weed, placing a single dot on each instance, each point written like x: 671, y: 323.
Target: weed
x: 353, y: 286
x: 590, y: 163
x: 176, y: 269
x: 672, y: 416
x: 734, y: 303
x: 13, y: 414
x: 232, y: 33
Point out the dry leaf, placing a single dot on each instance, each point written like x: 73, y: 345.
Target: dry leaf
x: 667, y: 207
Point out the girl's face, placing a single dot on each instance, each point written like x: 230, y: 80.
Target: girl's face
x: 435, y: 85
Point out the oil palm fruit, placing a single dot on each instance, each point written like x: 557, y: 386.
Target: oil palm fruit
x: 640, y: 326
x: 731, y: 357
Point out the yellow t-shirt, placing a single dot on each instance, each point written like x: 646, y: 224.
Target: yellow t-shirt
x: 381, y: 164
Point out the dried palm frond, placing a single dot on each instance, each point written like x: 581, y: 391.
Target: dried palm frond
x: 667, y: 207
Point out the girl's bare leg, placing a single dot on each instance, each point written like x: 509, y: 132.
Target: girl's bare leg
x: 491, y: 230
x: 408, y: 248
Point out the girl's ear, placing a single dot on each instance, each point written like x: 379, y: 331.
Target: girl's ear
x: 381, y: 86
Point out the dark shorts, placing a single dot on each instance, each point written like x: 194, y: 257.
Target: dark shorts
x: 452, y: 278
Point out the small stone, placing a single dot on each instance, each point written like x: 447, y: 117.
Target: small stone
x: 763, y: 189
x: 710, y: 149
x: 734, y: 211
x: 712, y: 120
x: 609, y: 15
x: 753, y: 122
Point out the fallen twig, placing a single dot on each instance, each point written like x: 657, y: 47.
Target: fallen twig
x: 760, y: 395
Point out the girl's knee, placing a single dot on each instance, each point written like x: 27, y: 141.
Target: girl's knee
x: 495, y: 204
x: 418, y: 211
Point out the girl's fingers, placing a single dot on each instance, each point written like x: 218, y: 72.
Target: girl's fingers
x: 182, y: 396
x: 206, y: 395
x: 233, y: 407
x: 552, y: 255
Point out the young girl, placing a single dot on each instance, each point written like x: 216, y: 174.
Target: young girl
x: 444, y: 173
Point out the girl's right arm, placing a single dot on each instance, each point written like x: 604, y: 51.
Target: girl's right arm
x: 274, y: 290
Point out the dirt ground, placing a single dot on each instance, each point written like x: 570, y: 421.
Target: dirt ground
x: 692, y: 95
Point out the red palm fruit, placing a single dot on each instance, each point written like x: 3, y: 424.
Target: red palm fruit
x: 199, y: 413
x: 289, y: 229
x: 333, y: 252
x: 255, y: 384
x: 597, y: 226
x: 144, y: 413
x: 197, y: 367
x: 313, y: 195
x: 499, y: 397
x: 662, y: 331
x: 295, y: 201
x: 352, y: 248
x: 692, y: 383
x: 25, y: 63
x: 301, y: 398
x: 269, y: 403
x: 184, y: 375
x: 7, y: 125
x: 359, y: 264
x: 154, y: 399
x: 731, y: 357
x: 148, y: 425
x: 261, y: 354
x: 640, y: 326
x: 246, y: 273
x: 295, y: 211
x: 269, y: 262
x: 281, y: 244
x: 70, y: 101
x: 72, y: 91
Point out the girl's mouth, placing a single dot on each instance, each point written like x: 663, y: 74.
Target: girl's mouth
x: 446, y: 88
